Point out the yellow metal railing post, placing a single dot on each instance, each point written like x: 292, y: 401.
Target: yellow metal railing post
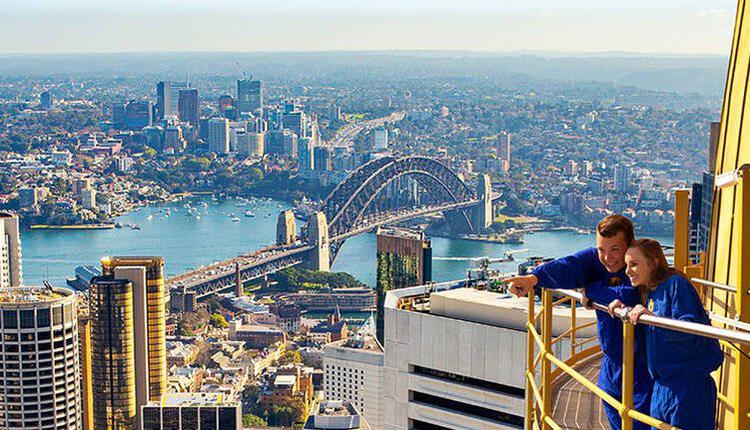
x: 531, y: 371
x: 681, y: 228
x: 628, y: 342
x: 573, y: 323
x: 742, y: 364
x: 546, y: 406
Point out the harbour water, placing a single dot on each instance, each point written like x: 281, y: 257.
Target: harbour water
x: 190, y: 238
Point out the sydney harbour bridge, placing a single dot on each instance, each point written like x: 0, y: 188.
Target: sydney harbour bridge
x: 350, y: 209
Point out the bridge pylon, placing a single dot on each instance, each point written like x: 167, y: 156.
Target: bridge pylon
x: 286, y: 228
x: 319, y: 258
x: 483, y: 210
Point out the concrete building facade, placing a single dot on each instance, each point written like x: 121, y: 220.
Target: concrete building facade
x: 41, y: 378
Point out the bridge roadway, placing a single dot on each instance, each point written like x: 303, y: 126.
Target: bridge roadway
x: 220, y: 276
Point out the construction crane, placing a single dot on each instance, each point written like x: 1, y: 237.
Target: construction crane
x: 242, y: 71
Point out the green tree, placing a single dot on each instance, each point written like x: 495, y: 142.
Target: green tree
x: 250, y: 420
x: 218, y: 321
x: 290, y: 357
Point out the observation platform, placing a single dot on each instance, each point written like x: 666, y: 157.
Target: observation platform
x: 573, y: 405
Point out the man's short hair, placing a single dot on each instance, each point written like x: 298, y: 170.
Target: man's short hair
x: 613, y: 224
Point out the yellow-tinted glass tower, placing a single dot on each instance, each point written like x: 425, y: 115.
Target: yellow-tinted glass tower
x: 112, y: 353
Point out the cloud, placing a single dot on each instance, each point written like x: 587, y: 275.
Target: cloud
x: 714, y: 13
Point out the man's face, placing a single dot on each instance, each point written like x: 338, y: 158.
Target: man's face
x: 612, y: 251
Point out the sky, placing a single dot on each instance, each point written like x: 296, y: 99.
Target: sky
x: 648, y: 26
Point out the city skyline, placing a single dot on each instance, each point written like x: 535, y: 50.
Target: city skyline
x: 166, y: 26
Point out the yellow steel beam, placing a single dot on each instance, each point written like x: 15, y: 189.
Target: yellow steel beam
x: 530, y: 365
x: 546, y: 406
x: 742, y: 364
x: 628, y: 340
x: 681, y: 228
x: 573, y: 327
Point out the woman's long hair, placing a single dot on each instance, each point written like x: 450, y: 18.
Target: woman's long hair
x: 652, y: 250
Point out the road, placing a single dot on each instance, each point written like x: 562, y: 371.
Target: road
x: 351, y: 130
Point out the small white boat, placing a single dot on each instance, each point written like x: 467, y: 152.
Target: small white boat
x: 249, y: 214
x: 235, y: 219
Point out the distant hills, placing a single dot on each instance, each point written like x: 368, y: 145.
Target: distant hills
x: 703, y: 75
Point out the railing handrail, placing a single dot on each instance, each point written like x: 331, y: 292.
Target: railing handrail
x: 712, y: 284
x: 698, y: 329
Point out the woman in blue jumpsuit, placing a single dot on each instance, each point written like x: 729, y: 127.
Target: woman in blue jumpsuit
x: 684, y: 394
x: 584, y: 270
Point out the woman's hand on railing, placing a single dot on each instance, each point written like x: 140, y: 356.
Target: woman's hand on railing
x: 616, y: 304
x: 521, y: 285
x: 636, y: 313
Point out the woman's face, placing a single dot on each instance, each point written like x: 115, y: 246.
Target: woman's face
x: 639, y: 268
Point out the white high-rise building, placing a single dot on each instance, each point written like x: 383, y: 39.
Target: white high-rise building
x: 11, y: 273
x: 622, y: 178
x: 455, y: 358
x: 218, y: 135
x: 41, y: 383
x: 381, y: 139
x: 354, y: 373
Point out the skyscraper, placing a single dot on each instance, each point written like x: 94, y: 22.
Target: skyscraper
x: 168, y: 97
x: 218, y: 135
x: 128, y: 338
x: 11, y: 273
x: 45, y: 100
x: 41, y: 379
x: 404, y: 259
x: 306, y: 156
x: 249, y: 96
x: 112, y: 353
x: 193, y: 411
x: 138, y: 114
x: 188, y: 107
x: 503, y: 151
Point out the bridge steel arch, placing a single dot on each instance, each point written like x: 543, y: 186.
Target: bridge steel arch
x: 347, y: 203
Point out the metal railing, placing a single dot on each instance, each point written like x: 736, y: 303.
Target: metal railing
x: 539, y: 399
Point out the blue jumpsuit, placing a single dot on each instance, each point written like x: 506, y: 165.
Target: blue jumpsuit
x: 684, y: 393
x: 584, y: 270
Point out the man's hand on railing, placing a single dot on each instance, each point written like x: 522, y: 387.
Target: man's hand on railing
x: 521, y: 285
x: 587, y: 302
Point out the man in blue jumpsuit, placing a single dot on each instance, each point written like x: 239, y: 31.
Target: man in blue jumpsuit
x: 600, y: 272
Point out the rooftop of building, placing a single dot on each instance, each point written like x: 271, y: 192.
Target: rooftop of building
x: 457, y: 300
x: 194, y: 399
x: 27, y: 295
x: 400, y: 232
x: 336, y: 414
x: 360, y: 341
x: 284, y: 381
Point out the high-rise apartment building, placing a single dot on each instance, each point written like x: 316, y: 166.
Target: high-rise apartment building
x: 354, y: 373
x: 192, y: 411
x: 128, y: 338
x: 503, y: 151
x: 41, y: 380
x: 306, y: 157
x: 381, y: 139
x: 45, y: 100
x: 168, y: 98
x: 11, y: 273
x: 249, y: 97
x: 622, y: 178
x: 404, y: 259
x: 218, y: 135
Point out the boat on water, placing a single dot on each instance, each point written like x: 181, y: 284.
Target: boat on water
x: 150, y: 217
x: 235, y: 219
x: 249, y: 214
x: 135, y: 227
